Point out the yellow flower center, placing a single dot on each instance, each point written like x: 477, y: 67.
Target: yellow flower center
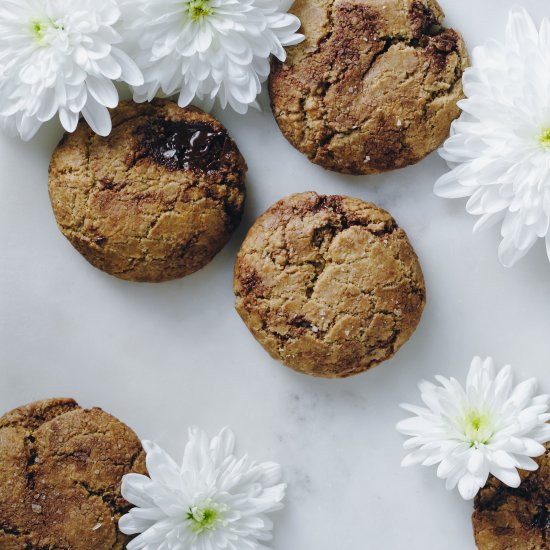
x: 545, y: 138
x: 477, y: 427
x: 202, y: 519
x: 40, y: 29
x: 199, y: 9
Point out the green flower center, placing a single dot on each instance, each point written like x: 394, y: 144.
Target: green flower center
x: 202, y: 518
x: 40, y: 29
x: 477, y: 427
x: 199, y: 9
x: 545, y: 138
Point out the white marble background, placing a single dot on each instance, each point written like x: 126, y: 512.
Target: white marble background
x: 164, y: 357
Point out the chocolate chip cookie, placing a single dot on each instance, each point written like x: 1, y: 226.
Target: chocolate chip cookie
x: 515, y: 519
x: 373, y: 87
x: 154, y: 201
x: 60, y: 473
x: 329, y: 285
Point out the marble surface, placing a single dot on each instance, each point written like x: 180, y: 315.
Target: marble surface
x: 164, y: 357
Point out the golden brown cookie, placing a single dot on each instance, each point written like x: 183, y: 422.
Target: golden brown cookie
x: 373, y: 87
x: 329, y: 285
x: 60, y: 474
x: 515, y: 519
x: 154, y: 201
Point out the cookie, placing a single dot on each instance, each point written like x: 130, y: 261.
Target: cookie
x: 61, y: 469
x: 329, y: 285
x: 154, y: 201
x: 373, y: 87
x: 515, y: 519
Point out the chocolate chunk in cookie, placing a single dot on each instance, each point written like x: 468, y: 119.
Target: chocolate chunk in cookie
x: 329, y: 285
x: 154, y: 201
x: 373, y: 87
x: 61, y: 468
x: 515, y: 519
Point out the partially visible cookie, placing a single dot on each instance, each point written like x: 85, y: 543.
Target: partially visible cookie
x: 61, y: 468
x: 373, y: 87
x: 515, y: 519
x: 154, y: 201
x: 329, y: 285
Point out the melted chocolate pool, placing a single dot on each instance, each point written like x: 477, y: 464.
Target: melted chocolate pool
x: 185, y: 146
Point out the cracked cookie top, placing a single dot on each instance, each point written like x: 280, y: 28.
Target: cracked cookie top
x: 61, y: 469
x: 329, y: 285
x: 373, y: 87
x: 515, y: 519
x: 154, y: 201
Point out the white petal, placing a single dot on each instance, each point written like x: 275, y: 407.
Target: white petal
x: 131, y: 74
x: 521, y: 27
x: 468, y: 486
x: 476, y: 462
x: 69, y: 120
x: 97, y: 116
x: 103, y: 91
x: 509, y: 477
x: 28, y: 127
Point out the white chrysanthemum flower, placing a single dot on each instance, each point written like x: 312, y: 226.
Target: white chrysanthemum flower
x: 490, y: 427
x: 203, y: 49
x: 59, y: 56
x: 499, y: 149
x: 212, y: 501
